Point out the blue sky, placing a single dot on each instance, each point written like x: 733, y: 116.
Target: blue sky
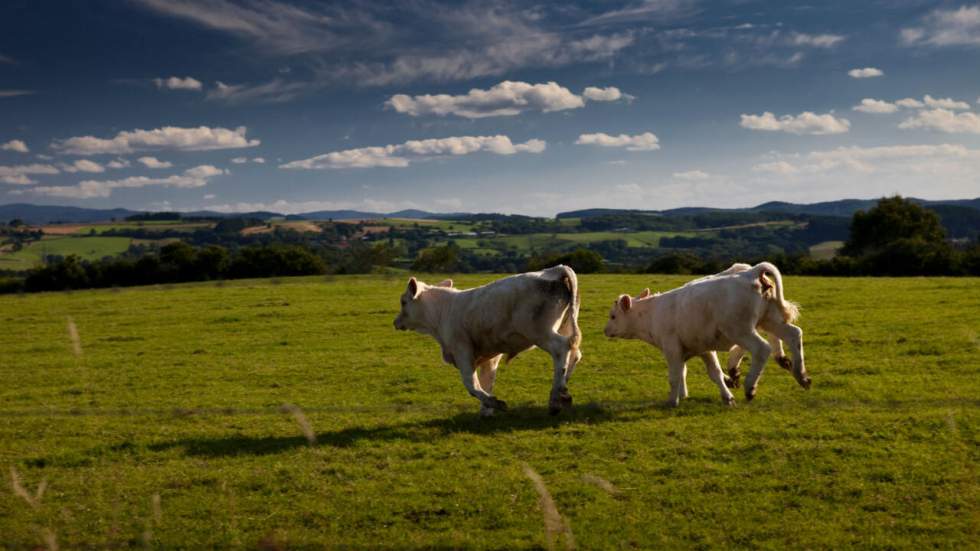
x: 530, y: 108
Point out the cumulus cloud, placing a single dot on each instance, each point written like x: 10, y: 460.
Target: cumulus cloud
x: 804, y: 123
x: 944, y: 103
x: 867, y: 72
x: 83, y: 165
x: 15, y: 145
x: 243, y: 160
x: 19, y: 174
x: 153, y: 162
x: 959, y: 27
x: 944, y: 120
x: 910, y: 103
x: 89, y: 189
x: 201, y: 138
x: 118, y: 163
x: 781, y: 168
x: 646, y: 141
x: 870, y: 105
x: 610, y: 93
x: 505, y: 99
x: 692, y: 176
x: 401, y: 155
x: 177, y: 83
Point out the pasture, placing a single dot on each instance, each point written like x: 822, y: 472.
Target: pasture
x: 162, y: 424
x: 88, y: 248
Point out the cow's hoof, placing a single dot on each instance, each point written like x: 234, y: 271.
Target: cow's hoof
x: 566, y: 400
x: 785, y: 363
x: 730, y: 401
x: 554, y: 409
x: 497, y: 404
x: 805, y: 383
x: 733, y: 376
x: 749, y: 394
x: 486, y: 412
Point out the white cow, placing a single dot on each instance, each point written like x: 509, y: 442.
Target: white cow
x: 718, y: 312
x: 476, y: 327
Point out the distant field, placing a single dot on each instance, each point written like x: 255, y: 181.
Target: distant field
x: 825, y: 250
x: 166, y: 430
x: 550, y: 241
x: 98, y: 228
x: 88, y: 248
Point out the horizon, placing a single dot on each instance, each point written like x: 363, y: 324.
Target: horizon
x: 531, y: 109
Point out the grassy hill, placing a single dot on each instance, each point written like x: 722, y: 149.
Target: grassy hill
x: 167, y: 427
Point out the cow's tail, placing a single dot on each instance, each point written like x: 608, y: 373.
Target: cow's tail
x: 791, y: 310
x: 570, y: 281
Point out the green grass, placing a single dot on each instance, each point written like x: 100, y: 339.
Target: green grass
x: 177, y: 394
x: 89, y: 248
x: 825, y: 250
x: 548, y: 241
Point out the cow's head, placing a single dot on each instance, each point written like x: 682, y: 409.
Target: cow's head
x: 412, y: 314
x: 621, y: 316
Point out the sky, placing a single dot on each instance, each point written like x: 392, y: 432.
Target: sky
x: 517, y: 107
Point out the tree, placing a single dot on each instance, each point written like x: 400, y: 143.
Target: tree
x: 582, y: 261
x: 444, y: 259
x: 892, y: 219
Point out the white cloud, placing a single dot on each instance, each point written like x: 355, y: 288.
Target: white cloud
x: 505, y: 99
x: 959, y: 27
x: 15, y: 145
x: 18, y: 174
x: 910, y: 103
x: 815, y: 40
x: 944, y: 120
x: 646, y: 141
x: 611, y: 93
x: 867, y: 160
x: 153, y: 162
x: 118, y: 163
x: 177, y: 83
x: 209, y: 196
x: 201, y: 138
x: 692, y: 175
x: 804, y: 123
x: 83, y: 165
x: 88, y: 189
x: 867, y: 72
x: 401, y: 155
x: 243, y: 160
x: 782, y: 168
x: 273, y: 91
x: 945, y: 103
x: 870, y: 105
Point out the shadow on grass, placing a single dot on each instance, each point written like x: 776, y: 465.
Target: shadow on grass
x: 519, y: 418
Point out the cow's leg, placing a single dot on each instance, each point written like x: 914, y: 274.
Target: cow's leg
x: 675, y: 373
x: 468, y: 374
x: 715, y: 374
x: 735, y: 356
x: 560, y: 348
x: 777, y: 351
x: 488, y: 375
x: 793, y: 336
x: 760, y: 350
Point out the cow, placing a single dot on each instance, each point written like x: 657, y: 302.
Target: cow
x: 717, y: 312
x: 477, y: 327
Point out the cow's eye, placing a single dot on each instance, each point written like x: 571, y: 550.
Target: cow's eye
x: 613, y: 317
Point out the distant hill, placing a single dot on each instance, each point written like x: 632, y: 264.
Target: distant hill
x: 842, y: 208
x: 44, y: 214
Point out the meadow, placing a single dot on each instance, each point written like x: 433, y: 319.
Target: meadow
x: 290, y: 413
x: 87, y: 248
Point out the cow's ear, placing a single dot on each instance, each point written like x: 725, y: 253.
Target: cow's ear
x: 413, y: 288
x: 645, y: 293
x: 625, y: 302
x: 446, y: 283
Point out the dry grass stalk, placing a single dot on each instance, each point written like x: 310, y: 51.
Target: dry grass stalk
x: 609, y: 487
x: 50, y: 540
x: 554, y: 526
x: 302, y: 421
x: 157, y: 510
x: 76, y: 342
x: 33, y: 500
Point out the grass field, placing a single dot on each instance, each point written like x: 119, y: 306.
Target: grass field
x: 88, y: 248
x: 162, y: 425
